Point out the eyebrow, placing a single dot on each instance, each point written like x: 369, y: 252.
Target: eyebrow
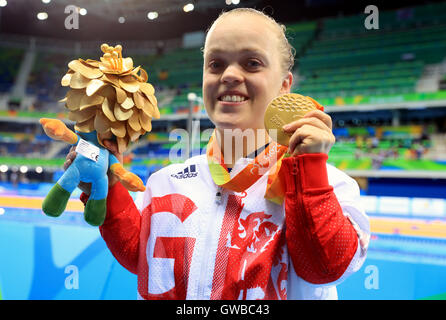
x: 216, y: 51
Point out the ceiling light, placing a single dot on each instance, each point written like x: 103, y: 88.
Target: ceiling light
x: 46, y: 1
x: 42, y: 16
x: 82, y: 11
x: 236, y: 2
x: 39, y: 169
x: 121, y: 19
x: 191, y: 96
x: 188, y: 7
x: 152, y: 15
x: 4, y: 168
x: 23, y: 169
x: 3, y: 3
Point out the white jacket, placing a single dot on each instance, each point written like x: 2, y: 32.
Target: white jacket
x: 220, y: 243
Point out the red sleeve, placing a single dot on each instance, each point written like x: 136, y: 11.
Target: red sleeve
x: 84, y: 198
x: 122, y: 227
x: 321, y: 240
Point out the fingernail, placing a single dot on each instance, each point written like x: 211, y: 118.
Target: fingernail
x: 286, y: 127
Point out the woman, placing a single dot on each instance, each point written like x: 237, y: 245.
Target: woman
x: 233, y: 231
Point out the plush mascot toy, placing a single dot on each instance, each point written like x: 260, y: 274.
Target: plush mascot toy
x: 108, y: 99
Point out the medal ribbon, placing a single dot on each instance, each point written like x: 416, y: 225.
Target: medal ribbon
x: 270, y: 158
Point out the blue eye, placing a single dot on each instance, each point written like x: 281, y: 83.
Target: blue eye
x: 214, y: 65
x: 253, y: 63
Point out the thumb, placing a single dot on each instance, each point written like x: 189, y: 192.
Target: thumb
x: 112, y: 146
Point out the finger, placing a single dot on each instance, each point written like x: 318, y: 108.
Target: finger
x: 85, y: 187
x: 296, y: 139
x: 324, y: 117
x: 66, y: 164
x: 312, y: 121
x: 112, y: 178
x: 309, y: 145
x: 71, y: 155
x: 308, y: 139
x: 111, y: 146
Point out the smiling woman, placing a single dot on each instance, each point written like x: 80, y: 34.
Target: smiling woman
x: 243, y: 68
x: 233, y: 230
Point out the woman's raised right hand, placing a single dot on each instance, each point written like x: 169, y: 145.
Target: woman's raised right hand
x: 84, y: 186
x: 112, y: 179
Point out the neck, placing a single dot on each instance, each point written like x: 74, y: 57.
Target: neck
x: 235, y: 143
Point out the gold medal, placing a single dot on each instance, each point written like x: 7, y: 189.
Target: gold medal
x: 285, y: 109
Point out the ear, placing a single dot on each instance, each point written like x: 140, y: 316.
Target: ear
x: 287, y: 83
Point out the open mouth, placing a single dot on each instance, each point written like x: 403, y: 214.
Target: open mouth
x: 232, y: 98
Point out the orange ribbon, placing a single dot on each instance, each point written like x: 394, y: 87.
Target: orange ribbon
x: 268, y: 161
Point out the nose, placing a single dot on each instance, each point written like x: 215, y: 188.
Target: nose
x: 232, y: 75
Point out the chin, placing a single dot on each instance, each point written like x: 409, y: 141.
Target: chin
x: 227, y: 125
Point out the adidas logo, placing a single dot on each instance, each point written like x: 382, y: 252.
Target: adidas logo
x: 188, y: 172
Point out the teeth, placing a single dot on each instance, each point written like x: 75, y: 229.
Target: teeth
x: 234, y: 98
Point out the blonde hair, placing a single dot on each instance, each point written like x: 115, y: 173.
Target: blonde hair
x: 287, y: 52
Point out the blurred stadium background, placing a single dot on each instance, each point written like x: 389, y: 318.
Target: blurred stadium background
x: 385, y: 89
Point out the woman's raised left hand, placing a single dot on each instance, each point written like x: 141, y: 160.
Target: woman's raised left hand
x: 311, y: 134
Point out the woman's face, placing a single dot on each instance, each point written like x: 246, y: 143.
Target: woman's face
x: 242, y: 71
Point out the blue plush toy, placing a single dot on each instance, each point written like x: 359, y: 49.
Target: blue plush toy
x: 107, y: 100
